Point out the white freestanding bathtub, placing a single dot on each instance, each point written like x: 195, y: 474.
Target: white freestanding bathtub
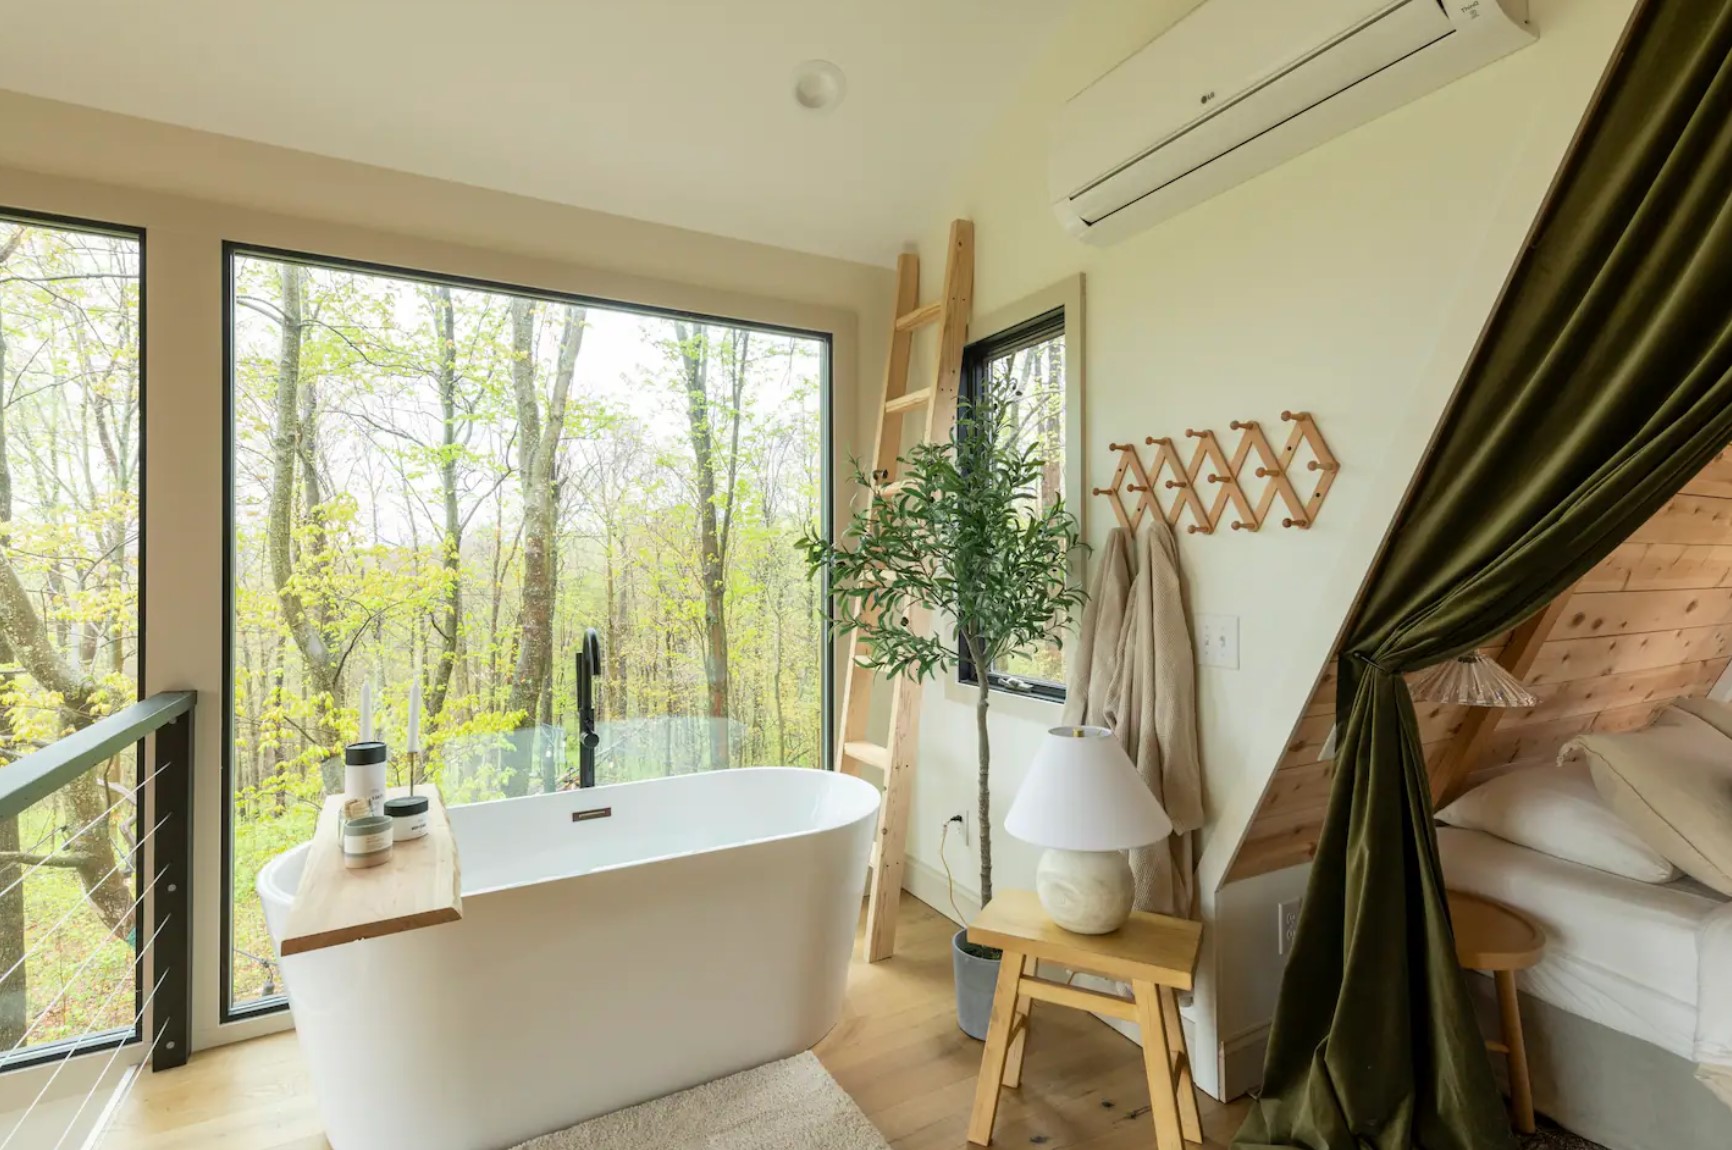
x: 702, y: 928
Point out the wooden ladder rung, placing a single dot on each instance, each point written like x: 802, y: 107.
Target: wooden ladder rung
x: 872, y: 754
x: 908, y: 402
x: 920, y: 316
x: 891, y: 488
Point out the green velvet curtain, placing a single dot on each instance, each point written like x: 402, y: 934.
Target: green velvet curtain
x: 1603, y: 384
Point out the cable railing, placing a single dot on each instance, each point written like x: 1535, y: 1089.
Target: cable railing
x: 48, y: 860
x: 95, y: 920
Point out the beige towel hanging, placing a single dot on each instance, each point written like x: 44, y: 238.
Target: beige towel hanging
x: 1097, y: 641
x: 1134, y: 672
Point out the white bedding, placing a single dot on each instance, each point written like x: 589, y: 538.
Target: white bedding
x: 1625, y: 954
x: 1714, y: 1016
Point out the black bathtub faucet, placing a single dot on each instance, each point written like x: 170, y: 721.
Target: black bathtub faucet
x: 588, y: 671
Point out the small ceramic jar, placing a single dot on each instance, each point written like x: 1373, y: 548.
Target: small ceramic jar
x: 367, y: 841
x: 408, y: 817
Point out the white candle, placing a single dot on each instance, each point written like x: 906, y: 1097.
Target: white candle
x: 415, y: 715
x: 366, y: 710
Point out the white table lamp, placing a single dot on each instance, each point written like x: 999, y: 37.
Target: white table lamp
x: 1084, y: 801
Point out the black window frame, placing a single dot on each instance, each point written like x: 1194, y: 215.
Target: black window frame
x: 228, y: 1010
x: 65, y: 1049
x: 976, y: 360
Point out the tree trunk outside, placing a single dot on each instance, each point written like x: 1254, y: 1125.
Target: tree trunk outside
x: 279, y: 675
x: 497, y: 587
x: 5, y: 458
x: 668, y: 691
x: 776, y: 619
x: 14, y: 992
x: 290, y: 450
x: 525, y: 680
x: 451, y: 547
x: 549, y: 768
x: 538, y: 451
x: 614, y: 686
x: 712, y: 566
x: 106, y: 884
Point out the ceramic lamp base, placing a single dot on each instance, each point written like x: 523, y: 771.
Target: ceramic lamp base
x: 1086, y: 892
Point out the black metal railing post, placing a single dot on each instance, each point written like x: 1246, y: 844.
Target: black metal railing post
x: 160, y: 866
x: 171, y: 1041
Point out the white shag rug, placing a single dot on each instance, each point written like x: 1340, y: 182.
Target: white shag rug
x: 789, y: 1105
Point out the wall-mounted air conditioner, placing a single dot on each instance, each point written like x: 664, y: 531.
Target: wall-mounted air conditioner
x: 1239, y: 86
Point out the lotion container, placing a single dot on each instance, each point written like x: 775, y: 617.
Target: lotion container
x: 408, y: 817
x: 364, y: 775
x: 367, y: 841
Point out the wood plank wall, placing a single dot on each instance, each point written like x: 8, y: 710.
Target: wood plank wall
x: 1650, y: 624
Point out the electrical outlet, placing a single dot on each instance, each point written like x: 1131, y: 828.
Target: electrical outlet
x: 1218, y: 641
x: 962, y: 827
x: 1286, y: 924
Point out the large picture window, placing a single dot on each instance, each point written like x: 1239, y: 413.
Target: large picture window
x: 450, y: 483
x: 70, y: 479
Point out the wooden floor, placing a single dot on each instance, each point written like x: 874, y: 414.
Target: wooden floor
x: 897, y: 1051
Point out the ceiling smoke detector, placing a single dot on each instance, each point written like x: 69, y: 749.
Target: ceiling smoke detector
x: 819, y: 86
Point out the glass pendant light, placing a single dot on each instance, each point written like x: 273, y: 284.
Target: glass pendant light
x: 1472, y: 680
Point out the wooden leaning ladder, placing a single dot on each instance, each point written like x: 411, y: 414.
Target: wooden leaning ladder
x: 895, y: 757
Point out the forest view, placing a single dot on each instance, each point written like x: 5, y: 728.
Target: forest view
x: 438, y: 481
x: 69, y: 536
x: 431, y: 482
x: 1031, y: 378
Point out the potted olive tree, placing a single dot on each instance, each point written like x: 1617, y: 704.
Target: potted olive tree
x: 962, y: 535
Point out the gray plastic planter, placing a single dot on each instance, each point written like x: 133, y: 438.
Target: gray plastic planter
x: 976, y: 979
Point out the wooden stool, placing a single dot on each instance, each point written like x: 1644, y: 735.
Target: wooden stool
x: 1493, y: 937
x: 1152, y: 952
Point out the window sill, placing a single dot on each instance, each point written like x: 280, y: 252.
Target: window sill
x: 1005, y: 702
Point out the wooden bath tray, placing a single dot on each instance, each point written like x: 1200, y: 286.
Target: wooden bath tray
x: 419, y: 887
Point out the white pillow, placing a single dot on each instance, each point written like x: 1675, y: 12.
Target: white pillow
x: 1559, y: 813
x: 1715, y: 714
x: 1672, y: 783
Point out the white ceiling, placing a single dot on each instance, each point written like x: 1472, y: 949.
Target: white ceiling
x: 677, y: 111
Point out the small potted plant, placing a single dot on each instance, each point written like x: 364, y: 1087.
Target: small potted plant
x: 962, y: 535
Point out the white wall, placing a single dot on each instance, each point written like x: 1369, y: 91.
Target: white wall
x: 1350, y: 282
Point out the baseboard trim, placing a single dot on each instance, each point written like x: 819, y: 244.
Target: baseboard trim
x: 928, y: 884
x: 1242, y: 1061
x: 1187, y: 1019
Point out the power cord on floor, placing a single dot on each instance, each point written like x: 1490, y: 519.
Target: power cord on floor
x: 950, y: 879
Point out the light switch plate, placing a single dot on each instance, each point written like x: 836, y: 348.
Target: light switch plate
x: 1218, y: 641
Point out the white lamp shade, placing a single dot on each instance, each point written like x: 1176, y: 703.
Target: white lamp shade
x: 1083, y: 794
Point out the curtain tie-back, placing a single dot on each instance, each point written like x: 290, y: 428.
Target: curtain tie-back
x: 1374, y: 664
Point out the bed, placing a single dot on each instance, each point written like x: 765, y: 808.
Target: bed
x: 1615, y: 1013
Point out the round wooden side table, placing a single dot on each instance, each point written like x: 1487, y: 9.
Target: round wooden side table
x: 1492, y: 937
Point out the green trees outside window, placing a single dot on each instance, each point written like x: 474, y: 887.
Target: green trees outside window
x: 69, y: 621
x: 439, y: 480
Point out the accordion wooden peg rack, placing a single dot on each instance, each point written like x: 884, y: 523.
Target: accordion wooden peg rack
x: 1214, y: 483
